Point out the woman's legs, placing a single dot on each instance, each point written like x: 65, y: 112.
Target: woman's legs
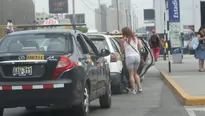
x: 132, y: 80
x: 201, y: 65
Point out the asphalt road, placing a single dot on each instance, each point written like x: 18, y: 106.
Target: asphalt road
x: 156, y: 100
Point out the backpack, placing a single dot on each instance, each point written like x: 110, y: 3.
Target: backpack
x: 154, y: 41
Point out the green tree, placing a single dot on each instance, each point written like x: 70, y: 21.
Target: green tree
x: 82, y: 29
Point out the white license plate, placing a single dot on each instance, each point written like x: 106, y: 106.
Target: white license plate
x: 22, y: 71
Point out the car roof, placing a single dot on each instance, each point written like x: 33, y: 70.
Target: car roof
x: 94, y: 34
x: 44, y: 31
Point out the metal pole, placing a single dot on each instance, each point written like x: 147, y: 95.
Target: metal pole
x: 169, y: 46
x: 74, y: 26
x: 126, y: 16
x: 118, y: 15
x: 165, y: 38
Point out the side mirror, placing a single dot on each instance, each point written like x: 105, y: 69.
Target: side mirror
x: 104, y: 52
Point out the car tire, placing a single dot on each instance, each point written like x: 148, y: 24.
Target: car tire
x: 118, y: 89
x: 105, y: 100
x: 83, y: 109
x: 30, y: 108
x: 1, y: 112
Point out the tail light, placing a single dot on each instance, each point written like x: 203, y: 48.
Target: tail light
x: 113, y: 57
x: 64, y: 64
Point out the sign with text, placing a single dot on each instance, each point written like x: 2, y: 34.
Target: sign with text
x: 50, y: 22
x: 174, y: 10
x: 58, y: 6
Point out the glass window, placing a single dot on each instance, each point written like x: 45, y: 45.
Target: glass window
x: 81, y: 45
x: 35, y: 43
x: 88, y: 45
x: 113, y: 45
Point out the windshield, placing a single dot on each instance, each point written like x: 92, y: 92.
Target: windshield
x: 100, y: 44
x: 34, y: 43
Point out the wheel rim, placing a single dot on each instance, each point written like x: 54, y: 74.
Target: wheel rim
x: 109, y: 91
x: 86, y: 100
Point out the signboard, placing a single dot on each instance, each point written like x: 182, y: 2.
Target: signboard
x: 149, y: 15
x: 58, y: 6
x: 79, y: 18
x: 174, y: 11
x: 175, y: 35
x: 175, y: 30
x: 50, y: 22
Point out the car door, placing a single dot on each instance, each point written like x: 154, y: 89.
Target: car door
x: 90, y: 70
x: 147, y: 56
x: 99, y: 64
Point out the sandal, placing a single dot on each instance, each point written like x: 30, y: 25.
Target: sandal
x: 201, y: 70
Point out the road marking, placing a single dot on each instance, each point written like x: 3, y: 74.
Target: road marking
x: 190, y: 110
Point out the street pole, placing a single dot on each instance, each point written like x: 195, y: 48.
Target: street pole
x: 126, y: 17
x: 74, y: 25
x: 118, y: 15
x: 100, y: 21
x: 165, y: 36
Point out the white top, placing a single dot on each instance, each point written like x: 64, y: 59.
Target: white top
x: 10, y: 25
x: 129, y: 51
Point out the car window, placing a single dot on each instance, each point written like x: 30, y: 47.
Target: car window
x: 91, y: 47
x: 35, y: 43
x: 81, y: 45
x: 99, y: 42
x: 113, y: 45
x: 116, y: 44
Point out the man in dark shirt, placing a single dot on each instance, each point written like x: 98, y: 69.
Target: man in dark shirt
x: 155, y: 44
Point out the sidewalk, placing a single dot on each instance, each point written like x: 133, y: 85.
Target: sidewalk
x: 185, y: 80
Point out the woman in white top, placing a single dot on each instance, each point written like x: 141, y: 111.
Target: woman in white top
x: 130, y: 46
x: 9, y: 27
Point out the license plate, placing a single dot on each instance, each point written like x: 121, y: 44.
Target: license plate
x: 35, y: 57
x: 22, y: 71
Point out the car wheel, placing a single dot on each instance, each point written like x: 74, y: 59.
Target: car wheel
x: 29, y: 108
x: 105, y: 100
x: 118, y: 89
x: 83, y: 108
x: 1, y: 112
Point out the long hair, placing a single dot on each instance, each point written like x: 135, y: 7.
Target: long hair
x: 127, y: 32
x: 202, y: 27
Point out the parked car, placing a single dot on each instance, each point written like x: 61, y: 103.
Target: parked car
x: 114, y: 59
x: 69, y: 72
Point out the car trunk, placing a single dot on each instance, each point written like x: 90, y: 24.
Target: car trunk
x: 27, y: 67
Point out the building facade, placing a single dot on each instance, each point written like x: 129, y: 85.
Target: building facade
x: 19, y: 11
x: 106, y: 17
x: 191, y: 14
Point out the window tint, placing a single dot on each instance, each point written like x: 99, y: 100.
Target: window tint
x: 91, y: 51
x: 35, y: 43
x: 81, y: 44
x: 113, y: 45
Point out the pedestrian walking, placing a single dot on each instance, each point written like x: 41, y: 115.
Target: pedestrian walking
x: 200, y: 50
x: 155, y: 44
x: 130, y: 46
x: 9, y: 28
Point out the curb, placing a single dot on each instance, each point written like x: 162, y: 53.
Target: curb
x: 183, y: 96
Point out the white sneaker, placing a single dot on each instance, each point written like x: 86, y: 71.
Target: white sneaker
x: 133, y: 92
x: 140, y: 90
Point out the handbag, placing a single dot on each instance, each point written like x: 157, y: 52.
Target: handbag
x: 194, y: 43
